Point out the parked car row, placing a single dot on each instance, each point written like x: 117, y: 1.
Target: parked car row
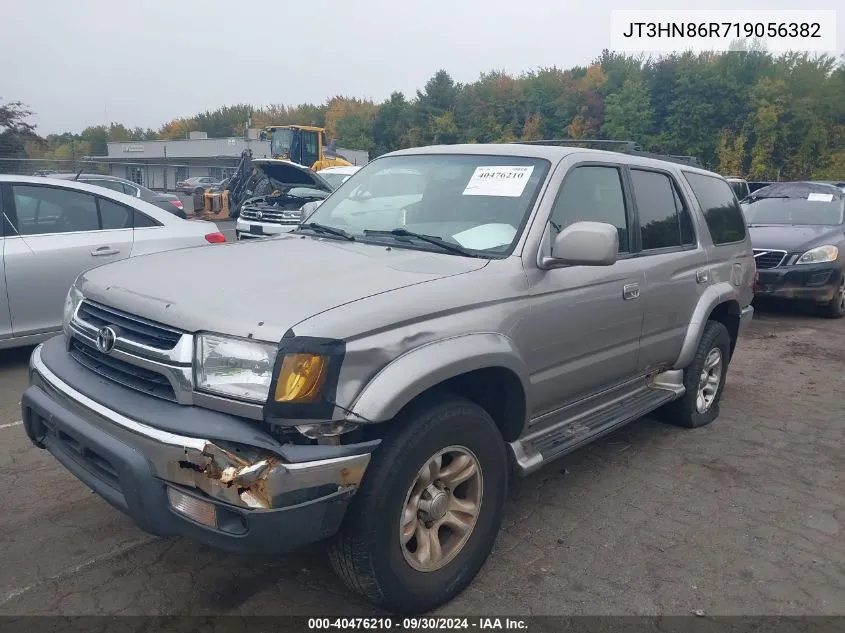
x: 53, y: 229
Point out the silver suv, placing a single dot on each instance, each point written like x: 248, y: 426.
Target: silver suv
x: 448, y: 316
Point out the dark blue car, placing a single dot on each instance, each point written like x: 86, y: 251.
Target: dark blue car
x: 798, y: 234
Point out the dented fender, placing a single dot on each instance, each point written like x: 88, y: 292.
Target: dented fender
x: 425, y: 366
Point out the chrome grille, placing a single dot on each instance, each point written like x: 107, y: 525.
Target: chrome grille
x: 273, y: 216
x: 121, y: 372
x: 765, y: 258
x: 132, y: 328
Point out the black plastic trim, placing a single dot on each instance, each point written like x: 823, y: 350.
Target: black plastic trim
x: 281, y: 412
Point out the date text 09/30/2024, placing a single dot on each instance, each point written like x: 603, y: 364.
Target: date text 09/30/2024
x: 417, y: 624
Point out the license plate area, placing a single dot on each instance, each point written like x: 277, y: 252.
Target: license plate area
x: 256, y: 229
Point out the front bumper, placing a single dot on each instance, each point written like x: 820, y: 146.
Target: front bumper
x: 253, y: 229
x: 807, y: 282
x: 746, y: 315
x: 261, y: 502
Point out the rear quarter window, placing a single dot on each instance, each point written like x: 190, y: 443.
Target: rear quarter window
x: 720, y: 208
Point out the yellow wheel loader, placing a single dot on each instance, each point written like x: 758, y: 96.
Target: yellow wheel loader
x: 304, y: 145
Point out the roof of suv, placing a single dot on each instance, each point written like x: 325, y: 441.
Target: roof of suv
x: 553, y: 153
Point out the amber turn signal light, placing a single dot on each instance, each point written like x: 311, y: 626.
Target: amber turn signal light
x: 301, y: 378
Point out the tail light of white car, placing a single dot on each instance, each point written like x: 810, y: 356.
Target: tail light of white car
x: 215, y: 238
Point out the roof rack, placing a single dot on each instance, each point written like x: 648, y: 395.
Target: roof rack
x: 626, y: 147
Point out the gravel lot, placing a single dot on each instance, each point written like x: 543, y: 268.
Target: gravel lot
x: 745, y: 516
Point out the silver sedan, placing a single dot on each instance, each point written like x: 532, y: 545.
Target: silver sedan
x: 53, y: 230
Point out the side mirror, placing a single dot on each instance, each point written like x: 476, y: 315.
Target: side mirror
x: 585, y: 244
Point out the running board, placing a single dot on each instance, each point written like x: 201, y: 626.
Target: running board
x: 537, y: 449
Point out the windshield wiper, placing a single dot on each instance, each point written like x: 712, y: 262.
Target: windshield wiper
x: 431, y: 239
x: 322, y: 228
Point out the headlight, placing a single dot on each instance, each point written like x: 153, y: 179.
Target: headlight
x: 72, y: 301
x: 234, y: 367
x: 819, y: 255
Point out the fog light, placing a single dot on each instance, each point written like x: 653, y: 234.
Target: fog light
x: 200, y: 511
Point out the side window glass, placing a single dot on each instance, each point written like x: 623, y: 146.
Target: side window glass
x: 114, y: 215
x: 657, y: 208
x: 42, y: 210
x: 143, y: 221
x: 130, y: 190
x: 720, y: 207
x: 592, y: 193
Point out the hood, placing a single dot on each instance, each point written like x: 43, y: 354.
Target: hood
x: 261, y: 289
x: 289, y: 174
x: 792, y: 238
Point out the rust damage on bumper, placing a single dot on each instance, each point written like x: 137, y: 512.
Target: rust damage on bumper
x: 241, y: 475
x: 256, y: 479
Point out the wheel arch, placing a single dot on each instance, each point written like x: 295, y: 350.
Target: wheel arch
x: 485, y: 368
x: 720, y: 302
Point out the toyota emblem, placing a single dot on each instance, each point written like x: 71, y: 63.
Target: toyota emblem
x: 105, y: 339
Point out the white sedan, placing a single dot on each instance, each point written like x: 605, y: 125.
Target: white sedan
x: 53, y: 230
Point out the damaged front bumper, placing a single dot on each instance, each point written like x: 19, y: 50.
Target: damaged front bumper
x: 233, y: 496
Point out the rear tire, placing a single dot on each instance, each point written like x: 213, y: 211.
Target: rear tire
x: 704, y: 380
x: 199, y: 191
x: 836, y: 308
x: 386, y: 549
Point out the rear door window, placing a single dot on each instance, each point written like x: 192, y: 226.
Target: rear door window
x: 720, y: 207
x: 664, y: 219
x: 42, y: 210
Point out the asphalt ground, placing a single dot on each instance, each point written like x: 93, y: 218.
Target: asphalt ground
x: 743, y: 517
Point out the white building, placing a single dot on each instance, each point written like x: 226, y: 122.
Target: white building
x: 161, y: 164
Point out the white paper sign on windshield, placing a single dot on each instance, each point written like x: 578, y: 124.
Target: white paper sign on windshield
x: 820, y: 197
x: 498, y: 180
x: 486, y: 236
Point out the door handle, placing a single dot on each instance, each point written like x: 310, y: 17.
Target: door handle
x: 630, y: 291
x: 104, y: 250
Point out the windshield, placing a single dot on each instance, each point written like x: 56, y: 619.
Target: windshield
x: 824, y: 210
x: 280, y: 142
x: 479, y: 203
x: 335, y: 180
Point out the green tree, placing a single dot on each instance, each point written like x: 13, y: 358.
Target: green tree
x: 97, y: 137
x: 390, y: 126
x: 628, y: 113
x: 16, y: 134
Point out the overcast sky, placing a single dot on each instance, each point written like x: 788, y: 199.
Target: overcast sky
x: 142, y: 63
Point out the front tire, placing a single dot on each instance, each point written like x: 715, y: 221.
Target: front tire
x: 704, y: 380
x: 429, y: 509
x: 836, y: 308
